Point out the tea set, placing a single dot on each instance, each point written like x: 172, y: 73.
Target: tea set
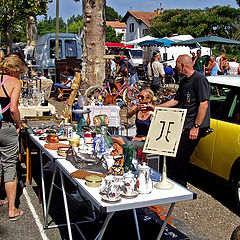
x: 127, y: 186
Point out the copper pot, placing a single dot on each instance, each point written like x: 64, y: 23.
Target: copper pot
x: 52, y: 138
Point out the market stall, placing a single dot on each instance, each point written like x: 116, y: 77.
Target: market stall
x: 86, y: 160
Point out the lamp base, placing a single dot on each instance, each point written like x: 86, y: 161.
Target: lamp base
x: 164, y: 184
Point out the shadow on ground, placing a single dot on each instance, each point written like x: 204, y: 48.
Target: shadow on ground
x: 218, y: 188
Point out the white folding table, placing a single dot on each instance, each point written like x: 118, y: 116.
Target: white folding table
x: 156, y: 197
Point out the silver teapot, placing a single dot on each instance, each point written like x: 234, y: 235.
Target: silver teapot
x: 144, y: 180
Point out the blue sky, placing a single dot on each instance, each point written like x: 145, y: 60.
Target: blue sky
x: 70, y: 7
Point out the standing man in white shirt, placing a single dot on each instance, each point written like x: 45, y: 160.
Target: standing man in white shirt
x: 155, y: 71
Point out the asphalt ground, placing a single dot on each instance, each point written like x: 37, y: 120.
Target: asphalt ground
x: 212, y: 216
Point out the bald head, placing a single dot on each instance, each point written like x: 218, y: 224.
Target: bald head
x: 186, y: 59
x: 184, y: 65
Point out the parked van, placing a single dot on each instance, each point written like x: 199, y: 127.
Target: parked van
x: 170, y: 54
x: 70, y: 46
x: 136, y: 56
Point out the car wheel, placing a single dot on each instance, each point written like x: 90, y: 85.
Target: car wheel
x: 236, y: 233
x: 236, y: 187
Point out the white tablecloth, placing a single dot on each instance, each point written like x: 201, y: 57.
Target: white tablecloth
x: 31, y: 111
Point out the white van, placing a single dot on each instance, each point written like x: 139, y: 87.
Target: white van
x: 70, y: 46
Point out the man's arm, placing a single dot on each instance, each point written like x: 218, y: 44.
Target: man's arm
x: 221, y: 64
x: 171, y: 103
x: 194, y: 61
x: 199, y: 119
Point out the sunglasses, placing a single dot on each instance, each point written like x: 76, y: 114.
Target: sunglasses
x: 142, y: 97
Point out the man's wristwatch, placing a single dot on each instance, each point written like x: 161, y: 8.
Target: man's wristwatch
x: 196, y: 125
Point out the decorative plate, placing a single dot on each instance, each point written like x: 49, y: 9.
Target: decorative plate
x: 133, y: 195
x: 106, y: 199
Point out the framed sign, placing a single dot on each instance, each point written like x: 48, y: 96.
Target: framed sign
x: 165, y: 131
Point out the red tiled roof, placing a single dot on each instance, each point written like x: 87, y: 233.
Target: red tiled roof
x: 116, y: 24
x: 143, y: 16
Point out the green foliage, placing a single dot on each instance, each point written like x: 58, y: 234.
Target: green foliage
x: 111, y: 14
x: 74, y: 19
x: 49, y: 26
x: 75, y: 27
x: 13, y: 14
x: 196, y: 22
x: 111, y: 35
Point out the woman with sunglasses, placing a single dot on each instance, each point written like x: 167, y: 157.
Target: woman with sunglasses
x: 143, y: 120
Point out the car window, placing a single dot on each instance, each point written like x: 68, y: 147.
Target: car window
x: 53, y: 47
x: 70, y: 48
x: 225, y: 103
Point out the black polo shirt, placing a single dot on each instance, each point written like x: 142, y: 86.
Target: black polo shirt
x: 190, y: 93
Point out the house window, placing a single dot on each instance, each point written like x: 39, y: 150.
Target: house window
x: 144, y: 32
x: 131, y: 27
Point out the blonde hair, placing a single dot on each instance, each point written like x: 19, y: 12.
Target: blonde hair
x: 149, y: 92
x: 13, y: 64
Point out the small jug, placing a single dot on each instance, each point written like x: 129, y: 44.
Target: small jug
x: 129, y: 182
x: 144, y: 180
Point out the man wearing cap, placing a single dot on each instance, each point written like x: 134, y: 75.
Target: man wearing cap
x: 155, y: 71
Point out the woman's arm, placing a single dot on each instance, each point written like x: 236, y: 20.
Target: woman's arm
x: 210, y: 66
x: 14, y: 98
x: 133, y: 111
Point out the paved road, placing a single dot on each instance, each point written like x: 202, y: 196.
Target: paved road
x: 210, y: 217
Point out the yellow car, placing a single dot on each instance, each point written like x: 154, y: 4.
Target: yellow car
x: 219, y: 151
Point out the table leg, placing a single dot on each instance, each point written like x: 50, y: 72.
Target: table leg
x: 28, y: 161
x: 20, y: 146
x: 43, y: 186
x: 93, y: 212
x: 50, y: 195
x: 165, y: 221
x: 100, y: 234
x: 66, y: 206
x: 136, y: 223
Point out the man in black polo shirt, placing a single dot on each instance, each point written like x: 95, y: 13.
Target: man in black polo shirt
x: 193, y: 94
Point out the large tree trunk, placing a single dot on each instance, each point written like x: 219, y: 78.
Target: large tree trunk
x: 8, y: 37
x: 31, y: 30
x: 93, y: 68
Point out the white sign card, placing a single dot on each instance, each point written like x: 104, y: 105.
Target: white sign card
x: 165, y: 131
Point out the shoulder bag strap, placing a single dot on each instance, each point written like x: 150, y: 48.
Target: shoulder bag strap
x: 152, y: 69
x: 1, y: 84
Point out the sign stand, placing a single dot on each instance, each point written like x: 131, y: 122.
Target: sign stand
x: 164, y: 184
x: 164, y: 136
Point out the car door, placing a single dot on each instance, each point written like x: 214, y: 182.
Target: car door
x: 227, y: 142
x: 204, y: 153
x: 217, y: 151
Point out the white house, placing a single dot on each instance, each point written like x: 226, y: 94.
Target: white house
x: 137, y: 24
x: 119, y: 27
